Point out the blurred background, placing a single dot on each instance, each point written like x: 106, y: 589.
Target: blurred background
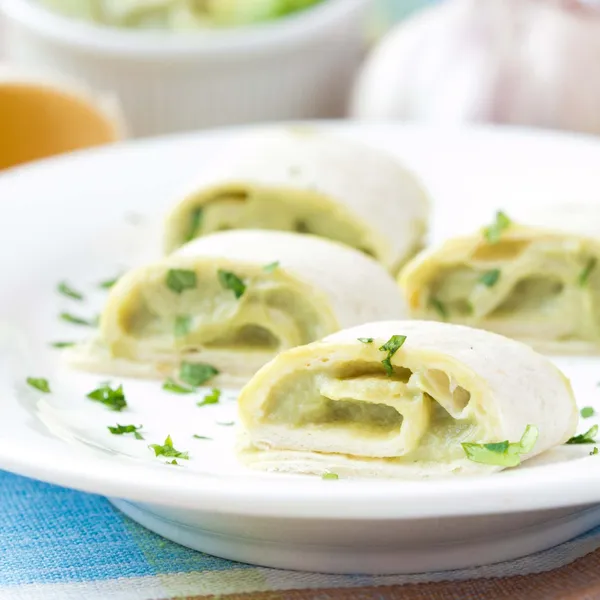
x: 77, y: 73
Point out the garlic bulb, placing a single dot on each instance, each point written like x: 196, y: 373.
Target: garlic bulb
x: 527, y: 62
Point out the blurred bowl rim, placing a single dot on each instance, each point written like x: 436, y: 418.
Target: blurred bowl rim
x: 86, y: 36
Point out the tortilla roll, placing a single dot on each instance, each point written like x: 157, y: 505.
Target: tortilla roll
x: 537, y: 285
x: 404, y: 399
x: 307, y: 182
x: 234, y: 300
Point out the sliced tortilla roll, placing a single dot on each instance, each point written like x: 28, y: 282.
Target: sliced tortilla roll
x: 404, y: 399
x: 307, y: 182
x: 232, y: 301
x: 541, y: 286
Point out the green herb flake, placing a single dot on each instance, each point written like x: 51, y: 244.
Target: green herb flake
x: 226, y: 423
x: 123, y: 429
x: 584, y: 276
x: 168, y: 450
x: 230, y: 281
x: 201, y: 437
x: 503, y: 454
x: 493, y: 233
x: 66, y: 290
x: 183, y: 326
x: 490, y: 278
x: 108, y: 283
x: 271, y: 267
x: 175, y: 388
x: 439, y: 307
x: 39, y: 383
x: 391, y: 347
x: 172, y: 462
x: 62, y: 344
x: 195, y: 224
x: 327, y: 476
x: 179, y: 280
x: 196, y: 374
x: 586, y: 412
x: 585, y: 438
x: 365, y: 340
x: 69, y: 318
x: 212, y: 398
x: 594, y: 451
x: 113, y: 399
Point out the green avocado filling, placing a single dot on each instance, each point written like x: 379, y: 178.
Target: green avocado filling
x: 179, y: 15
x: 268, y: 208
x: 514, y: 288
x: 273, y: 313
x: 374, y: 407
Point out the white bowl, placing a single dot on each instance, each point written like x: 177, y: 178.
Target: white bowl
x: 295, y: 68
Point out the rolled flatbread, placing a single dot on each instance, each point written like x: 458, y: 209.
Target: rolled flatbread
x: 232, y: 301
x: 537, y: 285
x: 404, y: 399
x: 304, y: 181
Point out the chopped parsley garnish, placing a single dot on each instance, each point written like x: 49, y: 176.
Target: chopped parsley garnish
x: 230, y: 281
x: 66, y: 290
x: 179, y: 280
x: 201, y: 437
x: 195, y: 224
x: 594, y: 451
x: 108, y: 283
x: 587, y: 411
x: 585, y: 438
x: 113, y: 399
x: 271, y: 267
x: 39, y: 383
x: 168, y: 450
x: 225, y: 423
x: 365, y: 340
x: 69, y: 318
x: 330, y: 476
x: 172, y: 462
x: 196, y: 373
x: 123, y: 429
x: 183, y: 325
x: 584, y: 276
x: 493, y: 233
x: 490, y: 278
x: 391, y: 347
x: 502, y: 454
x: 439, y: 307
x: 301, y: 226
x: 175, y: 388
x: 62, y: 344
x: 212, y: 398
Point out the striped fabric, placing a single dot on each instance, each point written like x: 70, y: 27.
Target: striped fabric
x: 58, y: 544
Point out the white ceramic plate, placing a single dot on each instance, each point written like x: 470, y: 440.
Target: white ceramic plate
x: 87, y: 217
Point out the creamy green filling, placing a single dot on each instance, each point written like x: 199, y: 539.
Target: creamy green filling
x: 297, y: 402
x: 274, y: 209
x: 178, y: 15
x: 363, y: 400
x: 274, y: 312
x: 559, y: 286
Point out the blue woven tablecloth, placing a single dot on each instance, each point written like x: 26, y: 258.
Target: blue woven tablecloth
x: 59, y: 544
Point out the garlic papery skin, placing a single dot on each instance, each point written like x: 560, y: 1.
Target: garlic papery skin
x: 525, y: 62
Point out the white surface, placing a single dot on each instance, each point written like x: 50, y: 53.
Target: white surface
x: 73, y: 218
x: 295, y: 68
